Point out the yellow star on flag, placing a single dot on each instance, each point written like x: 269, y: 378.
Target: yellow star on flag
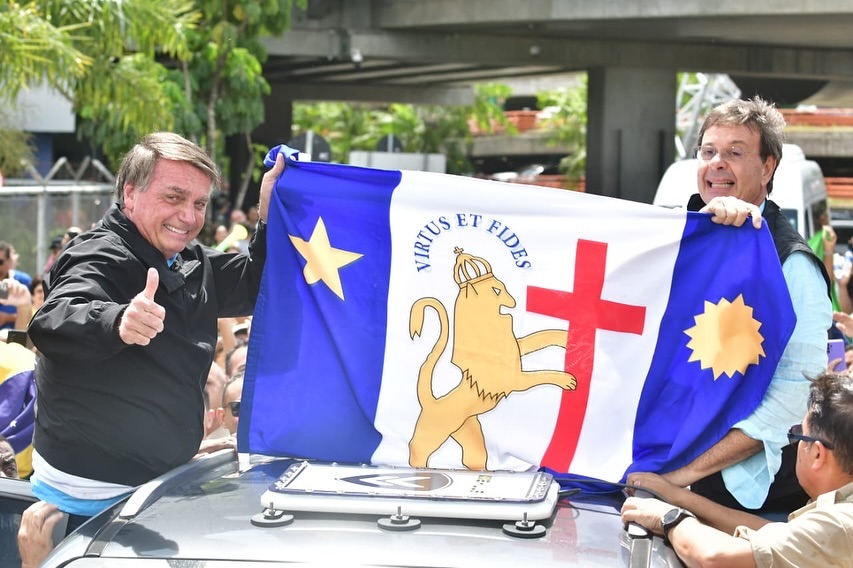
x: 322, y: 260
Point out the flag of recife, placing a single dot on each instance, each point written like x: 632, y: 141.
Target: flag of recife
x: 409, y: 318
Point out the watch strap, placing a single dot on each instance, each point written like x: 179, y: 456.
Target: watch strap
x: 671, y: 519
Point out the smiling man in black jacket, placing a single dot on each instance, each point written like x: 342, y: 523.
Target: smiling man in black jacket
x: 128, y: 330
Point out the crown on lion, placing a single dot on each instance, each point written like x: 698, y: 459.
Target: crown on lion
x: 470, y: 269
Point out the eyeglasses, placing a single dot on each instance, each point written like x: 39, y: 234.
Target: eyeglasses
x: 234, y: 405
x: 730, y: 154
x: 795, y: 434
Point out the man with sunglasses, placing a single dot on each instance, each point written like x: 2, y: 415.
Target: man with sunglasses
x: 231, y: 402
x: 740, y: 146
x: 819, y: 534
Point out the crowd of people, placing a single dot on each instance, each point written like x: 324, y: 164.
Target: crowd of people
x: 137, y: 297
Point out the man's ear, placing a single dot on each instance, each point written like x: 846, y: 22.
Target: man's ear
x: 821, y: 457
x: 209, y: 417
x: 770, y: 165
x: 128, y: 194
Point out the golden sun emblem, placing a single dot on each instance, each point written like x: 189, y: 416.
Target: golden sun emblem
x: 725, y: 338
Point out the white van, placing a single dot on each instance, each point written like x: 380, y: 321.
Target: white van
x: 798, y: 188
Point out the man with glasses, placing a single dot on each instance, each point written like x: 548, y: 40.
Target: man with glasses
x: 231, y: 402
x: 819, y: 534
x: 740, y: 146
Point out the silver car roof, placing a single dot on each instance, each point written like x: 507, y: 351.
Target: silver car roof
x: 203, y: 512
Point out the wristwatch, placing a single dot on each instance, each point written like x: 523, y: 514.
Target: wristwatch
x: 672, y: 518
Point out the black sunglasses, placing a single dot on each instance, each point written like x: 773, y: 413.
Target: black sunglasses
x: 234, y: 405
x: 795, y: 434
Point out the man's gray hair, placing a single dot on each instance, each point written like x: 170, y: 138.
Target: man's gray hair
x: 138, y: 164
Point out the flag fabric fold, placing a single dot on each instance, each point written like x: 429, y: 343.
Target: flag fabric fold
x: 17, y: 402
x: 409, y: 318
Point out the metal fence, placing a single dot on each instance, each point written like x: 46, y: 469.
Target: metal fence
x: 32, y: 216
x: 35, y: 211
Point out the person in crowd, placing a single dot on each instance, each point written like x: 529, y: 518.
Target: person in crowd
x: 126, y: 334
x: 37, y: 292
x: 820, y: 534
x: 55, y: 248
x: 241, y: 330
x: 26, y: 299
x: 19, y: 275
x: 8, y: 262
x: 226, y: 340
x: 8, y: 463
x: 844, y: 321
x: 252, y: 218
x: 824, y: 239
x: 219, y: 234
x: 18, y: 298
x: 231, y: 396
x: 822, y: 243
x: 237, y: 216
x: 842, y: 275
x: 214, y: 416
x: 740, y: 146
x: 70, y: 234
x: 235, y: 360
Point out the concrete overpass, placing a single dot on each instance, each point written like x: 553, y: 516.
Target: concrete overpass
x: 433, y: 50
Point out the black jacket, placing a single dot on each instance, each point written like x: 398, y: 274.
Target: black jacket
x: 126, y: 413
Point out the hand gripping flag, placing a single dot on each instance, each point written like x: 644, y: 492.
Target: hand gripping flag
x: 409, y: 318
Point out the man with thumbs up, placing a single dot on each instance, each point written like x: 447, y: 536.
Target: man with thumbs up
x: 128, y: 330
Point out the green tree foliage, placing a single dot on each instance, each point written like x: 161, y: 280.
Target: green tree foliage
x: 100, y: 55
x: 420, y: 128
x: 130, y: 67
x: 15, y: 149
x: 219, y: 89
x: 567, y: 124
x: 33, y: 50
x: 121, y: 97
x: 487, y: 112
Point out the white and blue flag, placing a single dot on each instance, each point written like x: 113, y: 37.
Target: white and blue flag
x: 411, y: 318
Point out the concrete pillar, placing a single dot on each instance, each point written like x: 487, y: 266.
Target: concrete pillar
x: 278, y: 118
x: 630, y: 130
x: 275, y: 130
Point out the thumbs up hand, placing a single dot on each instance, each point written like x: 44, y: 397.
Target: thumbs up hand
x: 143, y: 319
